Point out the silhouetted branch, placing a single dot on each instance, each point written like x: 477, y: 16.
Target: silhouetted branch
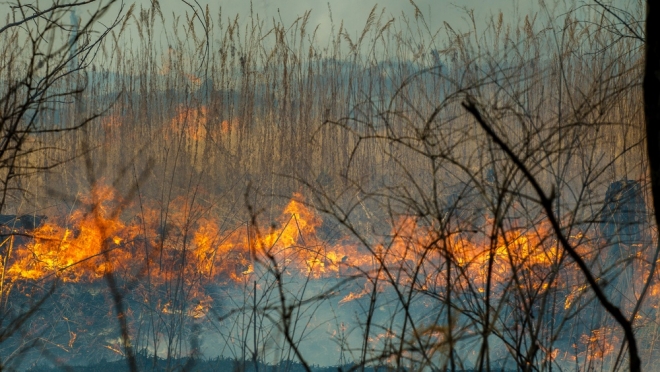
x: 546, y: 201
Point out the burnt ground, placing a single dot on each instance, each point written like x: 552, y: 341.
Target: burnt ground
x: 218, y: 364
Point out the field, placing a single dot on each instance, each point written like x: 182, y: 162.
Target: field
x: 411, y: 198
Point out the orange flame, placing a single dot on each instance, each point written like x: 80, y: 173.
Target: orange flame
x: 110, y: 235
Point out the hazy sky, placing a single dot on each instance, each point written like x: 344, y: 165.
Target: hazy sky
x: 354, y: 12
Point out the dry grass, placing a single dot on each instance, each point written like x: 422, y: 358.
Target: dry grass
x: 246, y: 103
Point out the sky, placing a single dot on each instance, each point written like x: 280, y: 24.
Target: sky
x: 354, y: 13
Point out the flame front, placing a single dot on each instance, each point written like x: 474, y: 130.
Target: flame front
x: 94, y: 241
x: 191, y: 248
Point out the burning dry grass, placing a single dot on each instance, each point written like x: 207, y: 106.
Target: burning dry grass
x: 379, y: 118
x: 197, y: 252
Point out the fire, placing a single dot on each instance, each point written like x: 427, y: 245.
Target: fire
x: 600, y: 343
x: 192, y: 120
x: 356, y: 295
x: 196, y: 123
x: 94, y: 241
x: 78, y: 250
x: 196, y: 248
